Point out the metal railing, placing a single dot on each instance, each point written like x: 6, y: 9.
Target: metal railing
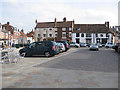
x: 10, y: 55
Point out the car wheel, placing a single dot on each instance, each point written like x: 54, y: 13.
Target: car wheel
x: 76, y: 46
x: 47, y: 54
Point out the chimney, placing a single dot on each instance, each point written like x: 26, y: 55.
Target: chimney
x: 55, y: 20
x: 8, y: 23
x: 107, y: 24
x: 22, y: 30
x: 73, y: 21
x: 64, y: 19
x: 36, y: 21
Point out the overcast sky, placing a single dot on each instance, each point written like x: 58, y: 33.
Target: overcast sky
x: 22, y: 13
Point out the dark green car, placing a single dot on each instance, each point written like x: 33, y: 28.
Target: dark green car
x: 47, y: 48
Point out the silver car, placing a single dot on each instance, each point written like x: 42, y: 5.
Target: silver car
x: 94, y: 46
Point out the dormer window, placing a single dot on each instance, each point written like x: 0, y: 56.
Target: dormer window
x: 78, y: 29
x: 90, y: 29
x: 64, y: 29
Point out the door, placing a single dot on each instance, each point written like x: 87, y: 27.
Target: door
x: 31, y: 49
x: 77, y: 41
x: 88, y: 41
x: 39, y: 48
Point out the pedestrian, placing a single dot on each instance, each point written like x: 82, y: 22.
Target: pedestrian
x: 2, y: 46
x: 13, y: 45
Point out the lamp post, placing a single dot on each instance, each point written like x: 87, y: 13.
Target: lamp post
x: 9, y: 38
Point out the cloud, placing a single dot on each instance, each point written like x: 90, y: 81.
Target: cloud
x: 11, y: 2
x: 23, y: 13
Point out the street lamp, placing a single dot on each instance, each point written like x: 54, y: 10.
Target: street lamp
x: 8, y: 38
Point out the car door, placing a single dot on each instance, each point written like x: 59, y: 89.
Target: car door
x: 40, y: 48
x: 32, y: 49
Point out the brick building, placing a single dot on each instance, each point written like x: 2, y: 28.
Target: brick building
x: 30, y: 37
x: 11, y: 33
x: 64, y: 29
x: 57, y: 30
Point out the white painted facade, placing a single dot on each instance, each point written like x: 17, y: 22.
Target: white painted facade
x: 43, y: 33
x: 93, y: 37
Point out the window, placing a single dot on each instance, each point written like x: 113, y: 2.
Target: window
x: 50, y: 29
x: 70, y: 29
x: 107, y: 35
x: 47, y: 44
x: 63, y: 29
x: 44, y: 35
x: 56, y: 35
x: 50, y: 35
x: 70, y: 34
x: 32, y: 45
x: 96, y: 35
x: 101, y: 35
x: 63, y: 35
x: 55, y: 29
x: 102, y: 29
x: 78, y: 29
x: 39, y: 44
x: 38, y: 35
x: 88, y: 34
x: 44, y: 29
x: 82, y: 35
x: 77, y: 34
x: 90, y: 29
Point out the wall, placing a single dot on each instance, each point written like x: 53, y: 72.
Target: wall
x: 42, y: 31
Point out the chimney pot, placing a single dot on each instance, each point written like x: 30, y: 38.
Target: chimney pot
x: 55, y: 19
x: 8, y: 23
x: 64, y: 19
x: 36, y: 21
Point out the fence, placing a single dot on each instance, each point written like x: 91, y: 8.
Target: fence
x: 10, y: 55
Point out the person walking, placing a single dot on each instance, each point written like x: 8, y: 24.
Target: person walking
x: 2, y: 46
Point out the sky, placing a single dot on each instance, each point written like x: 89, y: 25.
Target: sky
x: 23, y: 13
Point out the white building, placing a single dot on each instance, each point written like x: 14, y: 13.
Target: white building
x: 44, y: 30
x: 92, y: 33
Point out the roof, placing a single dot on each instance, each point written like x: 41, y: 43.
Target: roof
x: 9, y: 28
x: 30, y: 34
x: 53, y: 24
x: 64, y: 24
x: 22, y: 33
x: 90, y: 28
x: 45, y: 25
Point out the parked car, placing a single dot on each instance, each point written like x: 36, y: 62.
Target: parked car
x: 88, y: 44
x: 62, y: 46
x: 100, y: 45
x: 47, y: 48
x: 117, y: 47
x: 65, y: 44
x: 94, y: 46
x: 57, y: 46
x: 74, y: 44
x: 109, y: 45
x: 83, y: 44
